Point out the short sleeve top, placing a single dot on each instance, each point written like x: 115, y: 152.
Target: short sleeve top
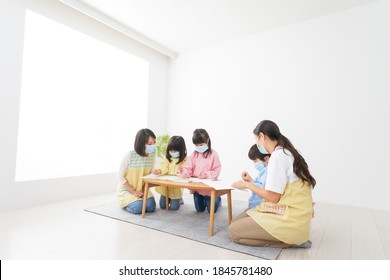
x: 280, y: 170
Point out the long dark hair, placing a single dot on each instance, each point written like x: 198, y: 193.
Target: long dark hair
x: 200, y: 136
x: 141, y: 139
x: 300, y: 166
x: 176, y: 143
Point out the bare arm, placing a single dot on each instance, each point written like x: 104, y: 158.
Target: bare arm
x: 121, y: 176
x: 132, y: 190
x: 269, y: 195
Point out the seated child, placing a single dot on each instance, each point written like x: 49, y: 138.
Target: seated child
x: 260, y: 162
x: 172, y: 164
x: 203, y: 163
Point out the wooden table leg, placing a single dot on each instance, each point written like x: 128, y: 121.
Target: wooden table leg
x: 229, y: 201
x: 146, y: 193
x: 166, y: 199
x: 212, y: 208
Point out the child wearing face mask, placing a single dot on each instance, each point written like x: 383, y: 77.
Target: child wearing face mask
x: 172, y: 164
x: 135, y: 164
x: 203, y: 163
x: 260, y: 162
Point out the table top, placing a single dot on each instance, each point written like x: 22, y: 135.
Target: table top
x: 178, y: 183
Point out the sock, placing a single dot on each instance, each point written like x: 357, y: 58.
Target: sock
x: 306, y: 244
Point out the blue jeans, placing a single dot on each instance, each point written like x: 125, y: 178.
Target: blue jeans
x: 136, y: 206
x: 174, y: 204
x: 203, y: 201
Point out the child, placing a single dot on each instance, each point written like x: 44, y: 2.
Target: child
x: 172, y: 164
x: 202, y: 163
x: 135, y: 164
x: 260, y: 161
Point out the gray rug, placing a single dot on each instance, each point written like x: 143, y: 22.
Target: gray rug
x: 192, y: 225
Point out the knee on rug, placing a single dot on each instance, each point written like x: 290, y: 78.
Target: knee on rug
x: 233, y: 230
x: 134, y: 207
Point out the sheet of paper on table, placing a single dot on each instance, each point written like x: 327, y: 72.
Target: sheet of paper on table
x: 219, y: 184
x: 162, y: 177
x: 216, y: 184
x: 169, y: 178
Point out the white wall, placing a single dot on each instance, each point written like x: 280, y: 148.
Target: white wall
x: 12, y: 13
x: 325, y: 82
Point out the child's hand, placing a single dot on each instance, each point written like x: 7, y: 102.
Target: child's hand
x: 184, y: 176
x: 179, y: 170
x: 241, y: 185
x: 202, y: 175
x: 245, y: 176
x: 156, y: 171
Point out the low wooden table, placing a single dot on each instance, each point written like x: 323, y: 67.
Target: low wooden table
x: 151, y: 182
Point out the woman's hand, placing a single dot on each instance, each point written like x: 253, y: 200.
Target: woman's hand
x: 156, y: 171
x: 138, y: 194
x: 241, y: 185
x: 183, y: 176
x: 131, y: 190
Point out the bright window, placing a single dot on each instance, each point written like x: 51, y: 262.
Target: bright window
x: 82, y: 102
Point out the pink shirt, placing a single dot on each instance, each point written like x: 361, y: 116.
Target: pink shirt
x: 197, y: 163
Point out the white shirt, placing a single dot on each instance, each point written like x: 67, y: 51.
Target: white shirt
x: 280, y: 170
x: 122, y: 168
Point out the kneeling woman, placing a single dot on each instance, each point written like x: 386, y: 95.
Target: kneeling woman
x: 283, y: 218
x: 135, y: 164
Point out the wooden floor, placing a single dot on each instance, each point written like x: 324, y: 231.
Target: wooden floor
x: 346, y: 233
x: 64, y: 231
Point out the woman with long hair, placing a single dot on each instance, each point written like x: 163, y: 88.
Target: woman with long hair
x: 283, y: 218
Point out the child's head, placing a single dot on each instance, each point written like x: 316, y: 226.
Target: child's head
x: 260, y: 160
x: 144, y: 143
x: 176, y: 148
x: 202, y: 142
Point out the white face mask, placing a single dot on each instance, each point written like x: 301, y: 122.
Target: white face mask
x: 259, y: 165
x: 174, y: 154
x: 150, y: 148
x: 262, y: 150
x: 201, y: 149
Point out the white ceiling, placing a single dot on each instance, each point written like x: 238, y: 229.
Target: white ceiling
x: 182, y: 25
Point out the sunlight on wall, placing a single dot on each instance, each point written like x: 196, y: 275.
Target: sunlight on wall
x: 82, y: 102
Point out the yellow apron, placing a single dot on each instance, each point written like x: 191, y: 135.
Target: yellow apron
x: 289, y: 219
x: 138, y: 167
